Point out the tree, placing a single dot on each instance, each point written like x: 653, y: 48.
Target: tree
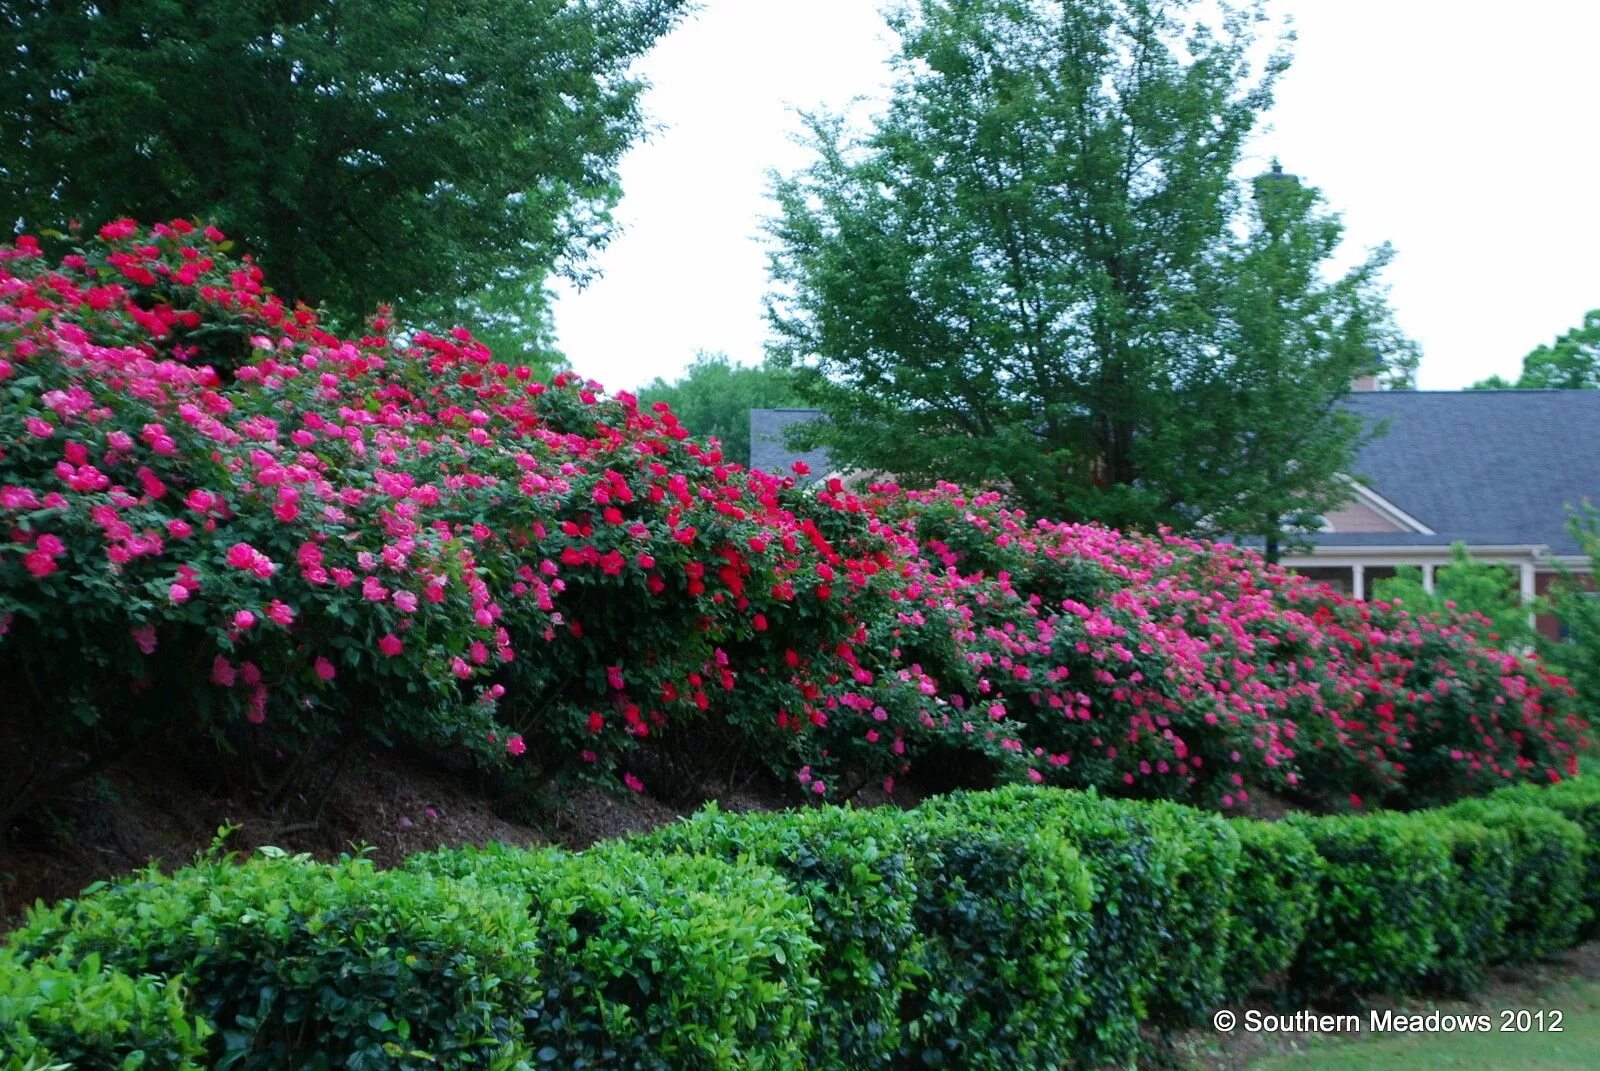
x: 714, y: 397
x: 1260, y: 426
x: 1571, y: 362
x: 1021, y: 274
x: 1577, y: 607
x: 401, y: 152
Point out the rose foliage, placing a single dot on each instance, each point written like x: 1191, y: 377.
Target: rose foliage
x: 217, y: 517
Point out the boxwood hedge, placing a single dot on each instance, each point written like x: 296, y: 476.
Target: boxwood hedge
x: 1023, y: 927
x: 655, y: 962
x: 1271, y: 903
x: 90, y: 1016
x: 853, y: 868
x: 1385, y: 883
x: 298, y: 964
x: 1547, y: 911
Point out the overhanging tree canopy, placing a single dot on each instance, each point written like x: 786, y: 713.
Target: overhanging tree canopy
x: 409, y: 151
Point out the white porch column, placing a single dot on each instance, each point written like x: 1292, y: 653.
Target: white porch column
x: 1358, y: 581
x: 1528, y: 590
x: 1427, y: 578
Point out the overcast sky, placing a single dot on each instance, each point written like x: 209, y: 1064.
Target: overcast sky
x: 1463, y: 132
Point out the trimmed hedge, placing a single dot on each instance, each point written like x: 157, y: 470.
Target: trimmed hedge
x: 1577, y: 800
x: 1024, y: 927
x: 303, y: 965
x: 1272, y: 902
x: 1133, y: 874
x: 1190, y: 982
x: 853, y: 869
x: 655, y: 962
x: 1547, y: 912
x: 1386, y: 881
x: 1003, y: 914
x: 93, y: 1017
x: 1470, y: 930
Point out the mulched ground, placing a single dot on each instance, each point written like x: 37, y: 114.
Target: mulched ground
x: 165, y: 810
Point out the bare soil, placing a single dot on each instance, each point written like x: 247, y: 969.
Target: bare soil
x: 166, y: 809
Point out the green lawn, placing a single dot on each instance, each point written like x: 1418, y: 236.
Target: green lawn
x: 1576, y: 1048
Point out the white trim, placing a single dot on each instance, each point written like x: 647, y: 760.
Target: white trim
x: 1386, y: 509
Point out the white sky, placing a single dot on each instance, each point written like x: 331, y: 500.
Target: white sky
x: 1464, y: 132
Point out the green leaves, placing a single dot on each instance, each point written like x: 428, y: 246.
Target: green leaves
x: 90, y: 1015
x: 1571, y: 362
x: 413, y: 154
x: 1024, y: 927
x: 661, y: 963
x: 855, y: 874
x: 1027, y: 274
x: 714, y: 397
x: 296, y: 963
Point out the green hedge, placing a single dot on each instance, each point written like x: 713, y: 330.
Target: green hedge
x: 1024, y: 927
x: 1577, y: 800
x: 302, y: 965
x: 1547, y: 911
x: 1385, y: 882
x: 91, y: 1017
x: 655, y: 963
x: 853, y: 869
x: 1272, y: 901
x: 1132, y: 871
x: 1471, y: 928
x: 1190, y: 980
x: 1002, y: 913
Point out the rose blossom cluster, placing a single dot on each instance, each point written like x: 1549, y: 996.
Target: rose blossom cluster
x: 218, y: 516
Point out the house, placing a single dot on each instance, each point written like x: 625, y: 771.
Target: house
x: 1500, y: 471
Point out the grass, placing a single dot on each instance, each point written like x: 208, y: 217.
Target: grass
x: 1575, y: 1048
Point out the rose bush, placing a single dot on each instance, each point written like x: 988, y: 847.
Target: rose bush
x: 218, y: 517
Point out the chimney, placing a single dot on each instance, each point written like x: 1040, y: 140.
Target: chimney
x: 1366, y: 382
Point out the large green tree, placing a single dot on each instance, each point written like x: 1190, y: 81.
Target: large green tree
x: 1022, y: 273
x: 1571, y: 362
x: 714, y: 396
x: 410, y: 152
x: 1258, y: 425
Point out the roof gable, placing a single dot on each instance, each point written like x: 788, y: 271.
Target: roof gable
x: 1488, y: 467
x: 1493, y: 468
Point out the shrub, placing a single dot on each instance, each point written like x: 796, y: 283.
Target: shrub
x: 655, y: 963
x: 1577, y: 800
x: 1548, y: 866
x: 1132, y: 872
x: 852, y: 868
x: 91, y: 1017
x: 1190, y: 982
x: 1271, y: 903
x: 302, y: 965
x: 1471, y: 929
x: 220, y: 520
x: 1003, y: 913
x: 1482, y: 596
x: 1386, y: 881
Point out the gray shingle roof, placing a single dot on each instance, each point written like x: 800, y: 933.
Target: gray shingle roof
x: 769, y: 452
x: 1489, y: 467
